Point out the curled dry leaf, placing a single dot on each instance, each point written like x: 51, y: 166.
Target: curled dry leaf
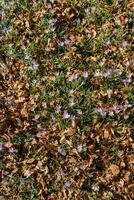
x: 114, y: 169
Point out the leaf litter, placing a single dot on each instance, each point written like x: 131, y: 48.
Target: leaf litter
x: 66, y: 100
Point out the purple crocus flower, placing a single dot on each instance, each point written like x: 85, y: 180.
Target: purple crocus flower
x: 87, y: 11
x: 128, y: 76
x: 6, y: 144
x: 118, y: 72
x: 66, y: 115
x: 67, y: 184
x: 1, y: 147
x: 3, y: 14
x: 101, y: 63
x: 106, y: 51
x: 127, y: 104
x: 71, y: 78
x: 10, y: 150
x: 61, y: 44
x: 53, y: 117
x: 79, y: 111
x: 62, y: 173
x: 67, y: 41
x: 85, y: 74
x: 127, y: 63
x: 79, y: 148
x: 127, y: 80
x: 101, y: 111
x: 97, y: 73
x: 116, y: 108
x: 108, y: 73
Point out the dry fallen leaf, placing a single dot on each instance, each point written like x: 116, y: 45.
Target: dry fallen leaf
x: 106, y: 134
x: 114, y: 169
x: 2, y: 198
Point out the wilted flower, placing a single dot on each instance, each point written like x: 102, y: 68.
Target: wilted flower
x: 52, y: 1
x: 10, y: 45
x: 127, y: 63
x: 114, y: 31
x: 58, y: 108
x: 101, y: 63
x: 78, y: 21
x: 106, y: 51
x: 61, y: 44
x: 95, y: 188
x: 71, y: 102
x: 41, y: 133
x: 57, y: 73
x: 111, y: 113
x: 72, y: 117
x: 126, y: 117
x: 85, y: 74
x: 73, y: 77
x: 66, y: 115
x: 27, y: 57
x: 87, y: 11
x: 124, y: 43
x: 93, y: 8
x: 71, y: 91
x: 62, y: 151
x: 53, y: 117
x: 108, y: 42
x: 79, y: 148
x: 109, y: 92
x: 79, y: 111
